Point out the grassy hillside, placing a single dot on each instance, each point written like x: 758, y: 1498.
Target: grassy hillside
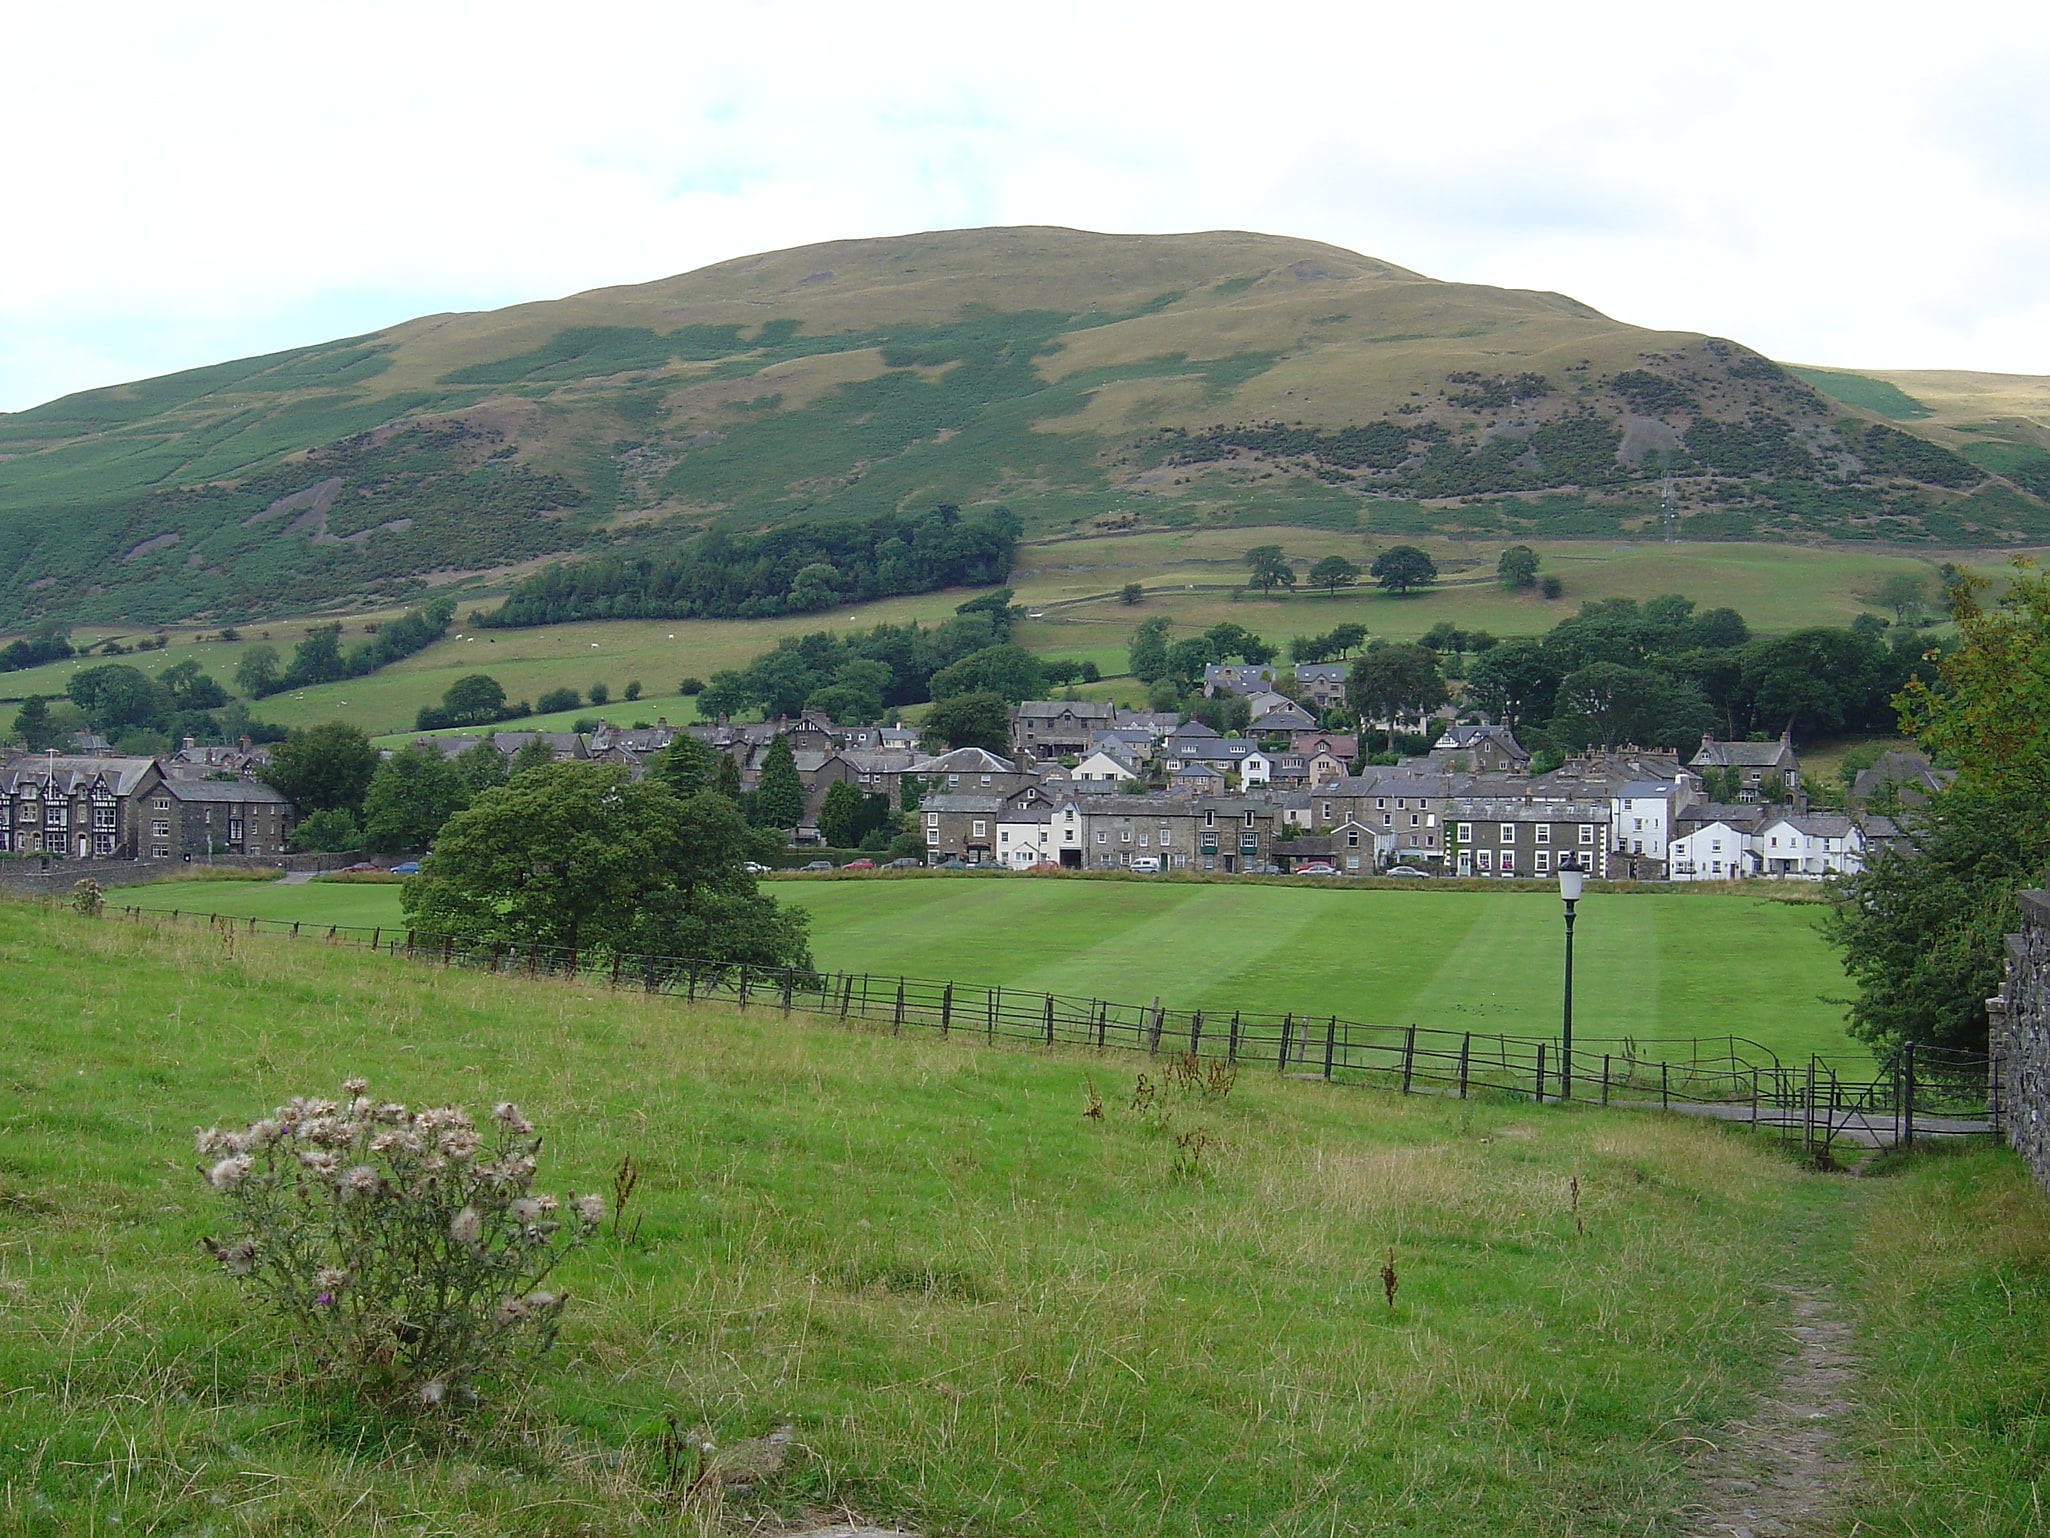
x: 1085, y: 381
x: 1651, y: 967
x: 980, y: 1312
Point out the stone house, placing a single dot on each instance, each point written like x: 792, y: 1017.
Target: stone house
x: 1767, y: 771
x: 1500, y: 837
x: 1321, y: 683
x: 1058, y: 728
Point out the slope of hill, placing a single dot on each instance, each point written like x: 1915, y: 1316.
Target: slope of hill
x: 1084, y: 381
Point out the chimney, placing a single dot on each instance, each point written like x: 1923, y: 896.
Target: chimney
x: 661, y: 720
x: 189, y: 744
x: 244, y: 743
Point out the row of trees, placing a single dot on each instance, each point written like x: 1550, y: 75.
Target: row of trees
x: 1398, y: 570
x: 799, y: 569
x: 320, y: 659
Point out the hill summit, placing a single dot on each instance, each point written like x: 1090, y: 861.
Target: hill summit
x: 1083, y: 381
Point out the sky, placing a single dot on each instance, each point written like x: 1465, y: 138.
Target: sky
x: 1855, y: 185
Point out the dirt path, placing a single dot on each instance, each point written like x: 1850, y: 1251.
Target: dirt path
x: 1779, y: 1473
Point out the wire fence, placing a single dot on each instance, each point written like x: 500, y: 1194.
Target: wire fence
x: 1731, y: 1076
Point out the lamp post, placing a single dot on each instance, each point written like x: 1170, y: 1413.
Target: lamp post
x: 1569, y: 889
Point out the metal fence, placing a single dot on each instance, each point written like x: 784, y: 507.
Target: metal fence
x: 1732, y: 1077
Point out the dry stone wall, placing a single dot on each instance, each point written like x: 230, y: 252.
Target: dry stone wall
x: 2019, y: 1036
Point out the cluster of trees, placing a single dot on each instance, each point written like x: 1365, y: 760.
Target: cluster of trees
x: 1662, y: 674
x: 136, y: 712
x: 1175, y: 668
x: 863, y: 675
x: 50, y: 643
x: 475, y: 699
x: 1922, y: 926
x: 1339, y: 642
x: 800, y: 569
x: 319, y: 658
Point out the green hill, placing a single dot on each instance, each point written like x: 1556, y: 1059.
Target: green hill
x: 1086, y: 382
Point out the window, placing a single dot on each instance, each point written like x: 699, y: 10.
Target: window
x: 1508, y: 832
x: 981, y: 829
x: 1543, y: 833
x: 163, y: 804
x: 1327, y: 811
x: 1414, y: 820
x: 1379, y: 802
x: 1249, y: 819
x: 1484, y: 860
x: 1124, y: 835
x: 1544, y: 862
x: 985, y: 779
x: 932, y: 819
x: 1163, y: 838
x: 1466, y: 833
x: 1352, y: 838
x: 161, y: 828
x: 159, y: 852
x: 932, y: 835
x: 1508, y: 861
x: 1102, y: 837
x: 1587, y: 833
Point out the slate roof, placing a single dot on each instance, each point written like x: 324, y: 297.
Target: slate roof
x: 71, y: 773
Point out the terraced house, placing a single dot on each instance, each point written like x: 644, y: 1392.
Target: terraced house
x: 1486, y: 836
x: 117, y: 808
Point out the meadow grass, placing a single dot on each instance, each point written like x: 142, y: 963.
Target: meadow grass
x: 1664, y: 966
x: 980, y: 1311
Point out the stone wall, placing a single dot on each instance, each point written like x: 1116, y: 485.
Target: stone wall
x: 33, y: 877
x: 2019, y: 1038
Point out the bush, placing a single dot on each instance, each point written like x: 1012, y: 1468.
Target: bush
x: 1552, y: 587
x: 403, y: 1251
x: 691, y: 687
x: 600, y: 693
x: 558, y: 699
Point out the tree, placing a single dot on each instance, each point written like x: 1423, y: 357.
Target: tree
x: 815, y: 587
x: 1402, y: 567
x: 1146, y: 657
x: 1333, y: 573
x: 1130, y: 593
x: 1605, y: 705
x: 840, y: 815
x: 601, y: 693
x: 115, y: 696
x: 1817, y: 677
x: 1904, y: 592
x: 979, y: 720
x: 1010, y: 671
x: 779, y: 793
x: 1393, y: 682
x: 190, y: 689
x: 726, y: 777
x: 581, y: 857
x: 1985, y: 707
x: 1514, y: 682
x: 411, y: 795
x: 553, y: 701
x: 535, y: 753
x: 331, y: 831
x: 1517, y: 568
x: 632, y: 691
x: 257, y: 675
x: 1268, y: 568
x: 476, y: 699
x: 480, y: 766
x: 685, y: 766
x: 317, y: 659
x: 32, y: 724
x: 1346, y: 639
x: 323, y: 768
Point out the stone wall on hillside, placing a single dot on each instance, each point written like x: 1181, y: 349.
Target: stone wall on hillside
x: 32, y: 877
x: 2019, y: 1038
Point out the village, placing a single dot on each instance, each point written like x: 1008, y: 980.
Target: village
x: 1089, y: 786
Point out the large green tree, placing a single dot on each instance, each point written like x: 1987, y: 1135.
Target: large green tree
x: 410, y: 796
x: 1517, y: 568
x: 32, y: 724
x: 779, y: 793
x: 323, y: 768
x: 1391, y: 682
x: 979, y: 720
x: 685, y: 766
x: 1332, y: 573
x: 1402, y: 567
x: 1267, y: 568
x: 1010, y: 671
x: 1921, y: 926
x: 582, y: 857
x: 476, y: 699
x: 840, y: 815
x: 116, y: 697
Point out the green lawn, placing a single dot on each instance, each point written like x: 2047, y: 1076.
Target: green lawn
x: 1664, y: 966
x: 982, y: 1313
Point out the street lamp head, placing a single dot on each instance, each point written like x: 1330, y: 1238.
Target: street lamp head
x: 1569, y: 885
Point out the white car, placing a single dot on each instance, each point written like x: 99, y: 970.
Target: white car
x: 1145, y: 865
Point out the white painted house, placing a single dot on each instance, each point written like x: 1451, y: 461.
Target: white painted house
x: 1025, y: 838
x: 1103, y: 767
x: 1811, y: 847
x: 1709, y: 851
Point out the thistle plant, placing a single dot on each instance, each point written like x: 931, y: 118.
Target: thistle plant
x: 405, y: 1251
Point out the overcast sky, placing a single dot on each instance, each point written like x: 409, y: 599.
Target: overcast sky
x: 1860, y: 185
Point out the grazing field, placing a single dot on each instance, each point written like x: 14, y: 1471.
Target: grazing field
x: 1660, y: 966
x: 1072, y: 586
x: 980, y: 1312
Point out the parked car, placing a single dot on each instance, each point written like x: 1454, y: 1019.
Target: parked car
x: 859, y: 865
x: 1407, y: 870
x: 820, y: 865
x: 953, y: 862
x: 1316, y: 868
x: 407, y: 868
x: 907, y: 862
x: 1145, y: 865
x: 361, y: 865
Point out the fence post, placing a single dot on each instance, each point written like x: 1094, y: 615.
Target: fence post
x: 990, y: 1005
x: 490, y: 965
x: 1409, y: 1057
x: 1754, y: 1097
x: 1195, y: 1032
x: 743, y: 985
x: 1049, y: 1019
x: 1231, y: 1040
x: 846, y: 993
x: 448, y: 949
x: 1908, y: 1094
x: 1665, y: 1098
x: 1541, y: 1073
x: 1287, y: 1027
x: 1808, y: 1111
x: 1330, y: 1045
x: 1605, y: 1078
x: 897, y: 1020
x: 947, y: 1009
x: 1465, y: 1051
x: 789, y: 978
x: 1102, y: 1023
x: 1153, y: 1030
x: 375, y: 936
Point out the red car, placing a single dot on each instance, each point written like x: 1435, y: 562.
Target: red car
x: 859, y: 865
